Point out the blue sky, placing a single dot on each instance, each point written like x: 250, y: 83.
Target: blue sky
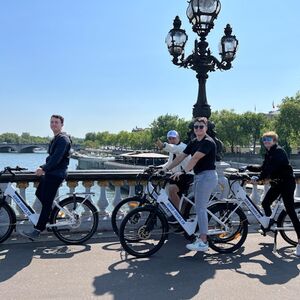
x: 104, y: 65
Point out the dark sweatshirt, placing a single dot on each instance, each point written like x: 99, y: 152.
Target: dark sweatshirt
x: 58, y: 160
x: 275, y: 165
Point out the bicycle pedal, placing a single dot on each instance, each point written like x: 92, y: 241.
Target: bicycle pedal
x: 262, y: 232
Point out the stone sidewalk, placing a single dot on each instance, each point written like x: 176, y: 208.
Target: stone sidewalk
x: 100, y: 269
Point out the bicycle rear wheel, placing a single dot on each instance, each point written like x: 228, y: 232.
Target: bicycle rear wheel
x: 123, y: 207
x: 237, y: 228
x: 289, y: 235
x: 82, y: 220
x: 143, y: 231
x: 7, y: 221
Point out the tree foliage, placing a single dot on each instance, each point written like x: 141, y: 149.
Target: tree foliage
x: 233, y: 129
x: 287, y: 123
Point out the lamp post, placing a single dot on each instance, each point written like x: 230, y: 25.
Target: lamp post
x: 201, y: 14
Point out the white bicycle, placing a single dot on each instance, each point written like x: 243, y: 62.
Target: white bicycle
x: 144, y: 230
x: 73, y: 220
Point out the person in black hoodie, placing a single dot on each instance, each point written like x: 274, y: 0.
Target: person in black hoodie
x: 276, y: 167
x: 52, y: 174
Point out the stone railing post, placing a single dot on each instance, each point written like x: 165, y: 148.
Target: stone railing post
x: 223, y: 185
x: 254, y: 196
x: 103, y: 202
x: 37, y: 205
x: 118, y: 197
x: 131, y: 184
x: 72, y: 186
x: 88, y: 184
x: 266, y: 188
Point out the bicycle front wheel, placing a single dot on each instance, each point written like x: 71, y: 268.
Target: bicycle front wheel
x: 289, y: 233
x: 7, y: 221
x: 143, y: 231
x: 123, y: 207
x: 234, y: 233
x: 76, y: 221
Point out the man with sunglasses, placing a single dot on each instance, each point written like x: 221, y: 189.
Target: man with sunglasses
x: 175, y: 147
x: 203, y: 151
x: 276, y: 167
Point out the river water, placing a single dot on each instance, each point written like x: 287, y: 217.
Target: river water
x: 32, y: 161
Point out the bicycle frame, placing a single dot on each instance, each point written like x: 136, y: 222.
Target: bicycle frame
x: 26, y: 209
x: 190, y: 225
x: 32, y: 215
x: 243, y: 198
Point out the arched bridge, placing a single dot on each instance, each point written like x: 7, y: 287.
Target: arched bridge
x: 27, y: 148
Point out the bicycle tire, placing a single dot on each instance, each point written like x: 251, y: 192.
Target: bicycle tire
x: 237, y: 223
x: 122, y: 204
x: 150, y: 220
x: 75, y: 235
x: 292, y: 238
x: 7, y: 221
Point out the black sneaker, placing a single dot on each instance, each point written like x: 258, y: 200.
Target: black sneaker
x: 32, y: 235
x: 172, y: 220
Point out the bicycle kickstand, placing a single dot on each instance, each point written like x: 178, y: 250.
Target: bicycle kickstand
x: 275, y: 242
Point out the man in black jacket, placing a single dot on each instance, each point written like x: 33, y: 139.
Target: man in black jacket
x: 276, y: 167
x: 52, y: 174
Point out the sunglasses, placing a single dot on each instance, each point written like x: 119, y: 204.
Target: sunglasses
x: 267, y: 139
x: 199, y: 126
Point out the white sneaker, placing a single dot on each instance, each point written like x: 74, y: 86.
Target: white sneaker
x: 198, y: 245
x: 297, y: 251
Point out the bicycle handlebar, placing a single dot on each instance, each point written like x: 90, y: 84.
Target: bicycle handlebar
x: 11, y: 170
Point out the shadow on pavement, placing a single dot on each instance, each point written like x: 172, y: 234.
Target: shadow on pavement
x: 173, y: 273
x: 15, y: 257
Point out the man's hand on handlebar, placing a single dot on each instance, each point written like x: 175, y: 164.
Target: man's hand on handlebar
x: 39, y: 172
x: 176, y: 175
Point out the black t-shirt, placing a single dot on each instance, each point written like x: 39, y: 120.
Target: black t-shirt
x: 206, y: 146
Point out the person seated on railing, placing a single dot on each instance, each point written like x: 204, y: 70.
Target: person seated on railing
x: 52, y: 174
x: 276, y: 167
x: 175, y: 147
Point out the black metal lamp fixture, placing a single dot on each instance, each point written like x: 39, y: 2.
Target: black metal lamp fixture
x: 176, y: 39
x: 202, y: 15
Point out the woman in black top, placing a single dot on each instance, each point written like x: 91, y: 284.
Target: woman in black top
x: 203, y: 152
x: 277, y: 168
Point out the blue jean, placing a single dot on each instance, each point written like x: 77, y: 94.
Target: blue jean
x: 204, y: 184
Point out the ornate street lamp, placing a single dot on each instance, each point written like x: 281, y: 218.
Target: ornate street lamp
x: 201, y: 14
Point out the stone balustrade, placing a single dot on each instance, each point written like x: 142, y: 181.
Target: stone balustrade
x: 108, y: 188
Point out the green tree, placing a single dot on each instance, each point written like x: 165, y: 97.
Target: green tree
x: 252, y: 125
x: 287, y: 123
x: 228, y: 127
x: 160, y: 126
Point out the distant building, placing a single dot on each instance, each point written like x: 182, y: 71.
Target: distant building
x: 273, y: 113
x: 136, y: 129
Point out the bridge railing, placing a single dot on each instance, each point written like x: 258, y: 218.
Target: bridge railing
x: 108, y: 186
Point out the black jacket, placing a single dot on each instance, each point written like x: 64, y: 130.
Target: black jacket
x: 275, y: 165
x: 58, y: 160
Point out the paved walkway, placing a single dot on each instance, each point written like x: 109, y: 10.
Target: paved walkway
x: 50, y: 270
